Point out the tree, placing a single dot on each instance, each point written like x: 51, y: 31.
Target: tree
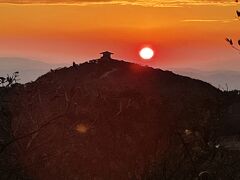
x: 10, y: 79
x: 2, y: 81
x: 232, y: 42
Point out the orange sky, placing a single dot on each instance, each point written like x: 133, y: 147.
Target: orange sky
x: 187, y: 34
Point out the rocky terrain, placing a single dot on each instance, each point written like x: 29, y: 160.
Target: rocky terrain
x: 110, y: 119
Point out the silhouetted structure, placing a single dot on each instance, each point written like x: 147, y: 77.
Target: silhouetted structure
x: 74, y: 64
x: 106, y: 55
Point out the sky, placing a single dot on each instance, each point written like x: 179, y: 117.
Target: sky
x: 183, y: 33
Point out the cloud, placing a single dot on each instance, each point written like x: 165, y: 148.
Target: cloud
x: 210, y: 20
x: 151, y: 3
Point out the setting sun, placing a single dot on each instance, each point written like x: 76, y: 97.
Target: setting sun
x: 146, y: 53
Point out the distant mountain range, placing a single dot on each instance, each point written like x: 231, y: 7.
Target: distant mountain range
x: 223, y: 79
x: 30, y: 70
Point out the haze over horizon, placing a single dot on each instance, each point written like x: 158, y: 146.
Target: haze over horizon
x: 30, y: 70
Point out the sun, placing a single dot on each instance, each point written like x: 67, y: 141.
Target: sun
x: 146, y: 53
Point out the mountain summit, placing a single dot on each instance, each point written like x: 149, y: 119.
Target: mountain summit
x: 109, y: 119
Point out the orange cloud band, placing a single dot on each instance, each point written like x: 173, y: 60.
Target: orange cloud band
x: 153, y: 3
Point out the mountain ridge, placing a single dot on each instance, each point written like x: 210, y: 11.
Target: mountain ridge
x: 110, y: 119
x: 29, y: 69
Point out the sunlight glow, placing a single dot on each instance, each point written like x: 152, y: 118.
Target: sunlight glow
x: 146, y: 53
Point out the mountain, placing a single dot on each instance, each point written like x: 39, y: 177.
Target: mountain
x: 110, y: 119
x: 29, y: 70
x: 225, y: 80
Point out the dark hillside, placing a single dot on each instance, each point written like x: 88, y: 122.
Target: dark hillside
x: 109, y: 119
